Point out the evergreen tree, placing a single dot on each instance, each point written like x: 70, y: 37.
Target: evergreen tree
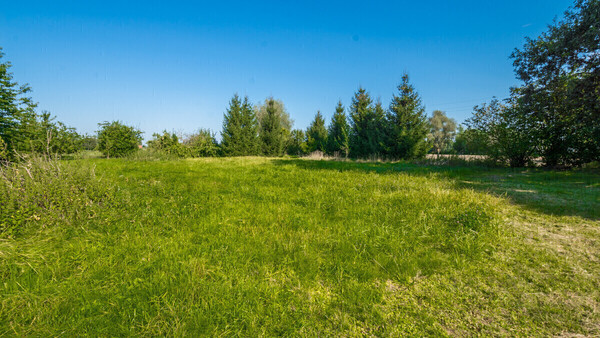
x: 249, y: 133
x: 367, y: 131
x: 272, y: 133
x: 240, y: 129
x: 338, y: 137
x: 377, y: 129
x: 232, y: 128
x: 316, y: 134
x: 407, y: 124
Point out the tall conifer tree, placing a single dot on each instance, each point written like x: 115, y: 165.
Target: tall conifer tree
x: 338, y: 137
x: 316, y: 134
x: 272, y: 132
x: 366, y: 126
x: 407, y: 124
x: 240, y: 129
x: 232, y: 128
x: 250, y: 141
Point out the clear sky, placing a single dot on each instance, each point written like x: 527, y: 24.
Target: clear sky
x: 175, y: 64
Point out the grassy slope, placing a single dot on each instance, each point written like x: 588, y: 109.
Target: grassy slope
x: 273, y: 246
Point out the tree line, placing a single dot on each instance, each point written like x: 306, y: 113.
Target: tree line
x: 554, y: 115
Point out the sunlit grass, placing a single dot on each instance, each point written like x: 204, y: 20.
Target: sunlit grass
x: 255, y: 246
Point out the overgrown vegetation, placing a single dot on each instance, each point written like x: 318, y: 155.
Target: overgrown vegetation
x: 45, y: 192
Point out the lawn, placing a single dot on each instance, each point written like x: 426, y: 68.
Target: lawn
x: 260, y: 246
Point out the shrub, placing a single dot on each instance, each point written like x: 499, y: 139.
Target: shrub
x: 167, y: 144
x: 116, y: 139
x: 201, y: 144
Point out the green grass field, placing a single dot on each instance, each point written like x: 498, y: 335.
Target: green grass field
x: 258, y: 246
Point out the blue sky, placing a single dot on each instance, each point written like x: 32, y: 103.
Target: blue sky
x: 175, y: 65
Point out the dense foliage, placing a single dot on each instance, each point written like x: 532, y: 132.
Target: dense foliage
x: 201, y: 144
x: 407, y: 125
x: 555, y: 114
x: 338, y: 136
x: 240, y: 129
x: 116, y: 139
x: 316, y: 134
x: 297, y: 143
x: 366, y: 126
x: 273, y: 131
x: 443, y: 131
x: 560, y: 95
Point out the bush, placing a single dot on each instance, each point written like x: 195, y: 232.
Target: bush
x: 116, y: 139
x: 503, y: 133
x: 167, y: 144
x: 201, y: 144
x: 45, y: 191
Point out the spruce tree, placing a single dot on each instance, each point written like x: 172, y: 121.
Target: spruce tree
x: 407, y: 124
x: 338, y: 141
x: 366, y: 133
x: 316, y: 134
x: 272, y: 133
x: 249, y: 140
x: 231, y: 136
x: 240, y: 129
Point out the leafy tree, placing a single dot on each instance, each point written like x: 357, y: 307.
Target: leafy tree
x: 469, y: 142
x: 407, y: 124
x: 367, y: 126
x: 273, y: 133
x: 15, y: 107
x: 50, y: 137
x: 167, y: 143
x: 89, y: 142
x: 504, y: 134
x: 201, y: 144
x: 561, y: 91
x: 316, y: 134
x: 338, y: 141
x: 240, y: 129
x: 443, y: 130
x: 116, y: 139
x: 297, y: 144
x: 280, y: 110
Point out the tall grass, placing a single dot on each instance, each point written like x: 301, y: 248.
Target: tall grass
x: 45, y: 191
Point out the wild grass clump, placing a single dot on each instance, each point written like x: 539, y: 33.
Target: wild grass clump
x: 45, y: 191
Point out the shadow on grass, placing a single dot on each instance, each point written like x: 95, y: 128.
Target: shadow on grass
x: 560, y: 193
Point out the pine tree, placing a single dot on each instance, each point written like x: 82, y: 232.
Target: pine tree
x: 240, y: 129
x: 272, y: 133
x: 316, y: 134
x: 407, y: 124
x: 367, y: 131
x: 338, y: 137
